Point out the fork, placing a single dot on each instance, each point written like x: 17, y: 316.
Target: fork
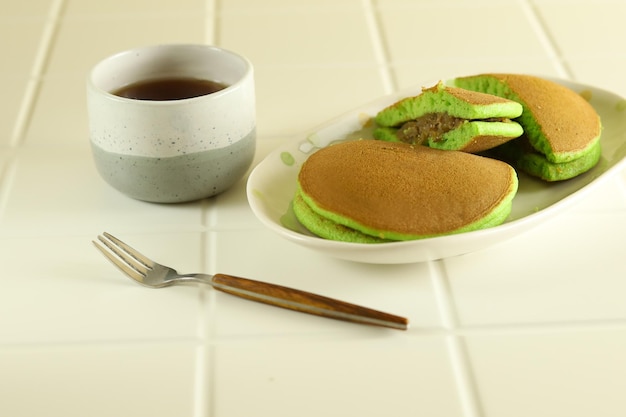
x: 154, y: 275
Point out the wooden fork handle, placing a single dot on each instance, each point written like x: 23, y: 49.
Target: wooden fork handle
x: 305, y: 302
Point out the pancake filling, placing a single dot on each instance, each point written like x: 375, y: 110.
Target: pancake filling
x: 433, y: 125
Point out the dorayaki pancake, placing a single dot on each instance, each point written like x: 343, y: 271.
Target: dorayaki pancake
x: 326, y: 228
x: 450, y: 118
x: 527, y: 159
x: 396, y: 191
x: 558, y: 123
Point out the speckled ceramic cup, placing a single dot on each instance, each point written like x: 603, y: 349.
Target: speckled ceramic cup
x: 172, y: 151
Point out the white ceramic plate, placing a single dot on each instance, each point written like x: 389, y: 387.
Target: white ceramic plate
x: 272, y: 184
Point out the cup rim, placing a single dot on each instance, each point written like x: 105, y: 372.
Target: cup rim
x: 92, y: 84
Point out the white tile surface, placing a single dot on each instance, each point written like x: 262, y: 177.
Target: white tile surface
x: 29, y: 29
x: 573, y: 373
x: 59, y: 192
x: 80, y: 44
x: 63, y: 292
x: 590, y: 59
x: 10, y: 109
x: 299, y: 36
x: 368, y: 378
x: 99, y: 380
x: 533, y: 326
x: 310, y: 96
x: 550, y: 283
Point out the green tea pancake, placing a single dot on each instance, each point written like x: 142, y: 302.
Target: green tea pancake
x: 450, y: 118
x: 372, y: 191
x: 527, y: 159
x: 560, y: 125
x: 326, y: 228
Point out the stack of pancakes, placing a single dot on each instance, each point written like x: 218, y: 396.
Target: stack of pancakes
x: 395, y: 188
x: 562, y: 130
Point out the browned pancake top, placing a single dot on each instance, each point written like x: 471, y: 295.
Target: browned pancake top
x: 567, y: 120
x: 404, y: 188
x: 474, y: 97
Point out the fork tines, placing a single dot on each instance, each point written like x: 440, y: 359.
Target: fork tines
x: 131, y: 262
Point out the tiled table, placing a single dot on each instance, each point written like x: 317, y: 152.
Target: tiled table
x: 535, y: 326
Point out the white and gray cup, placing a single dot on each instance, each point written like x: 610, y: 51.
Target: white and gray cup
x: 171, y: 151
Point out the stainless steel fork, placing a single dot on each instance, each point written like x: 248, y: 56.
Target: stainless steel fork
x: 151, y: 274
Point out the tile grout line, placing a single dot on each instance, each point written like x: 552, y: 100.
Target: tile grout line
x: 599, y: 326
x: 202, y: 375
x: 88, y: 343
x: 211, y: 30
x: 550, y: 45
x: 540, y: 328
x: 380, y: 51
x: 457, y: 350
x: 207, y: 395
x: 527, y: 328
x: 205, y: 378
x: 34, y: 83
x: 7, y: 175
x: 202, y: 378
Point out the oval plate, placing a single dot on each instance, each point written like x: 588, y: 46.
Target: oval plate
x: 272, y: 184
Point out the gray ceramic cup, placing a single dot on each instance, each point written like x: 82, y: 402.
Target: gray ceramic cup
x: 171, y: 151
